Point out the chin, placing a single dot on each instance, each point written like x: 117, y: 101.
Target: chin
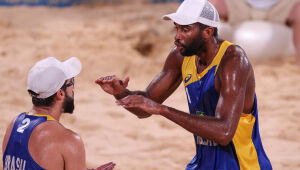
x: 187, y: 54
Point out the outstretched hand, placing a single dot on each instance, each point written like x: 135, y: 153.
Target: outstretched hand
x: 140, y: 102
x: 112, y: 84
x: 107, y: 166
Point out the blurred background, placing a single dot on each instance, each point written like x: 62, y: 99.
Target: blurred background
x: 129, y: 38
x: 65, y: 3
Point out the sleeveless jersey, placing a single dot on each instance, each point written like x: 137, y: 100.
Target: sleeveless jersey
x: 16, y: 155
x: 245, y: 151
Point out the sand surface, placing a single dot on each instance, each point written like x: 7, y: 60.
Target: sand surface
x: 131, y: 39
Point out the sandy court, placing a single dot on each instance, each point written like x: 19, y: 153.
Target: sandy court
x: 131, y: 39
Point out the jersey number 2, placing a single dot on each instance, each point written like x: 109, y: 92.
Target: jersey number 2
x: 25, y: 123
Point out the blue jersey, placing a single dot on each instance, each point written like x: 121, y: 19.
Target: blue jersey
x: 16, y: 155
x: 245, y: 151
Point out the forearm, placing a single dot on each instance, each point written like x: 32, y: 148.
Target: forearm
x: 204, y: 126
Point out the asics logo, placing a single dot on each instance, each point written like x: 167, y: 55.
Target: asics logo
x: 187, y: 78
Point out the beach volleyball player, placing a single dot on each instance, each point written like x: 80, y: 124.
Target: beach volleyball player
x: 36, y: 140
x: 220, y: 90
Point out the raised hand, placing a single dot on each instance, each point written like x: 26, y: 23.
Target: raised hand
x: 113, y: 85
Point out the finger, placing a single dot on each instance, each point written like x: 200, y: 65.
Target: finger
x: 101, y: 82
x: 129, y: 101
x: 109, y: 79
x: 110, y: 166
x: 98, y: 81
x: 104, y: 165
x: 115, y: 80
x: 125, y: 81
x: 101, y: 79
x: 119, y: 102
x: 107, y: 166
x: 124, y: 104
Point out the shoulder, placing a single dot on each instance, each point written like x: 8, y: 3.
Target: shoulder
x: 52, y: 141
x: 54, y: 133
x: 235, y: 59
x: 56, y: 129
x: 234, y: 67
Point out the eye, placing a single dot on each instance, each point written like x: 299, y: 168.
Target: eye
x: 185, y: 30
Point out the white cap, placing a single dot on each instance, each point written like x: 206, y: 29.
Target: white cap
x: 47, y: 76
x: 193, y: 11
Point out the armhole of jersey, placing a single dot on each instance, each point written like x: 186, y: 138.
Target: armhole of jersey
x: 13, y: 128
x: 222, y: 52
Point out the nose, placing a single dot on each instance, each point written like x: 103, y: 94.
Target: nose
x: 178, y: 35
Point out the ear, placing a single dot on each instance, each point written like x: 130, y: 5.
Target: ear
x: 60, y: 94
x: 208, y: 32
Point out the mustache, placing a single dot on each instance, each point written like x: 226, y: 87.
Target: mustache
x: 177, y: 42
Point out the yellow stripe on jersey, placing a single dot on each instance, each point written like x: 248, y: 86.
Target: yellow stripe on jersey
x: 48, y: 116
x: 242, y: 144
x: 189, y: 70
x: 189, y: 73
x: 40, y: 115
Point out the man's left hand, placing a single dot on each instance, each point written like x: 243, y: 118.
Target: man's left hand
x: 140, y: 102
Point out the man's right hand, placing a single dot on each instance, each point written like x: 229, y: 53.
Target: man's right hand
x: 113, y: 85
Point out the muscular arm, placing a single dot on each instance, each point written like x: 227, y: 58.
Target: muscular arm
x: 74, y: 153
x: 168, y: 80
x: 231, y: 82
x: 161, y: 87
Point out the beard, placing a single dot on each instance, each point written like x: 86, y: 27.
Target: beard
x: 187, y: 52
x: 192, y: 49
x: 68, y: 104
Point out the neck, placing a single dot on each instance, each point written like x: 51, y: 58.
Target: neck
x: 209, y: 51
x: 44, y: 110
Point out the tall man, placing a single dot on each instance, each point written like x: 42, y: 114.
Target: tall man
x: 220, y: 88
x: 36, y: 140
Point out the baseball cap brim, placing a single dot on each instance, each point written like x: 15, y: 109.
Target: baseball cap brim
x: 72, y: 67
x: 179, y: 19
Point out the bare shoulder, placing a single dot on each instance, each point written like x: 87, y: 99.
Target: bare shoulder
x: 52, y: 141
x: 54, y: 132
x: 235, y: 67
x: 235, y: 59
